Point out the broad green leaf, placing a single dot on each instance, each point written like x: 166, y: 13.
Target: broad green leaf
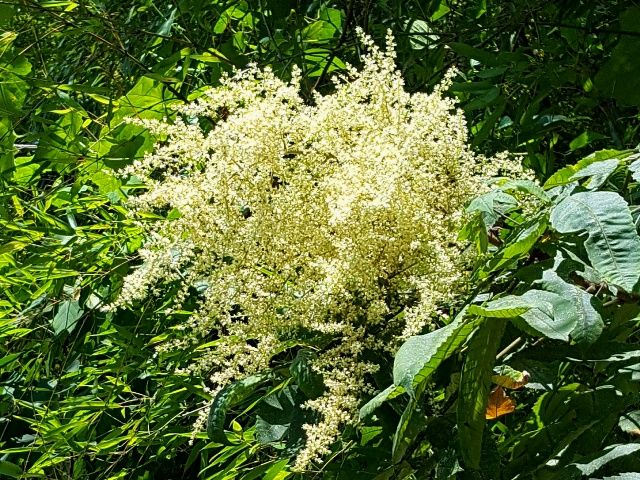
x: 441, y: 11
x: 545, y: 312
x: 420, y: 35
x: 566, y: 175
x: 419, y: 356
x: 13, y: 89
x: 228, y: 397
x: 610, y: 453
x: 550, y: 314
x: 588, y: 321
x: 492, y: 206
x: 67, y: 317
x: 597, y: 173
x: 475, y: 383
x: 613, y: 245
x: 584, y: 139
x: 516, y: 247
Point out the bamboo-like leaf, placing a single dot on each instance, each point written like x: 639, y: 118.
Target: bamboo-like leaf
x: 613, y: 244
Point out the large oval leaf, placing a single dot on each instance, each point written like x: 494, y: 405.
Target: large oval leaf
x: 613, y: 245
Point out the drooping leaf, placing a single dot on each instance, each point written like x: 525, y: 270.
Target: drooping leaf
x: 475, y: 384
x: 419, y: 356
x: 280, y: 417
x: 634, y: 168
x: 388, y: 393
x: 525, y: 186
x: 610, y: 453
x: 506, y: 307
x: 411, y: 423
x: 499, y: 404
x: 516, y: 248
x: 492, y: 205
x: 613, y: 244
x: 551, y: 314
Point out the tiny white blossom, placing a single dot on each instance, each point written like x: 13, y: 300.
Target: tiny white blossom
x: 339, y: 217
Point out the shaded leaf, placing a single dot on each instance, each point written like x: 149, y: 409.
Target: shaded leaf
x: 475, y: 383
x: 67, y: 317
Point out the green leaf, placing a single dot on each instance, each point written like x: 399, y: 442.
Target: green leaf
x: 516, y: 248
x: 389, y: 393
x: 10, y: 469
x: 475, y: 383
x: 619, y: 77
x: 506, y: 307
x: 419, y: 356
x: 597, y: 173
x: 67, y: 317
x: 634, y: 168
x: 228, y: 397
x: 492, y: 205
x: 411, y: 423
x: 613, y: 245
x: 13, y: 89
x: 584, y: 139
x: 420, y: 35
x: 610, y: 453
x: 309, y: 381
x: 630, y: 423
x: 280, y: 418
x: 545, y: 312
x: 588, y: 321
x: 525, y: 186
x: 568, y: 174
x: 550, y: 314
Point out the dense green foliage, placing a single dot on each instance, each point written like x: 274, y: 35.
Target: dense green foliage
x: 83, y: 393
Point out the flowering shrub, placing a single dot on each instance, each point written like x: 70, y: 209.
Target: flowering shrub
x: 336, y: 221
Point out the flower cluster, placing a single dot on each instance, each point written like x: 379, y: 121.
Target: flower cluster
x: 338, y: 217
